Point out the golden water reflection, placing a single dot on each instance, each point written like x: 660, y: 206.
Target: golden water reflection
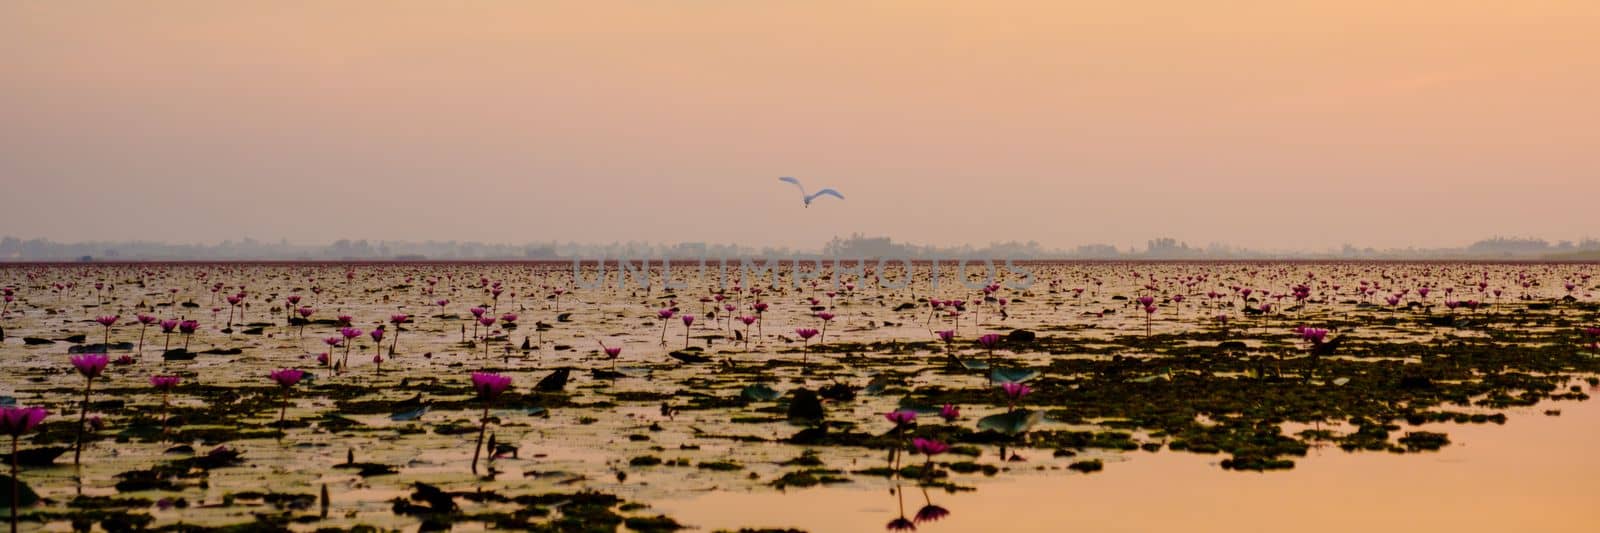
x: 1533, y: 474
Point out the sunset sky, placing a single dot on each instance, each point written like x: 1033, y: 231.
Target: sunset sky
x: 1268, y: 124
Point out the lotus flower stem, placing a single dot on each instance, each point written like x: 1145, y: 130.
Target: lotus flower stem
x: 483, y: 427
x: 16, y: 489
x: 83, y: 415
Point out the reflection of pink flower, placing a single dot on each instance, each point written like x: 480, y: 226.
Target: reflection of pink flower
x: 931, y: 513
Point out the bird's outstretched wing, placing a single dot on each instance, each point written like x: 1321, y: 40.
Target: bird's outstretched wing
x: 826, y: 192
x: 796, y: 183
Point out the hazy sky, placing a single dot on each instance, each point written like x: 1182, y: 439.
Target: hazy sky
x: 1275, y: 124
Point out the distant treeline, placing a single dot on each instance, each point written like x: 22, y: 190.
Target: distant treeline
x: 855, y: 246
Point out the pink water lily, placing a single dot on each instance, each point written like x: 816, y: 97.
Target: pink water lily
x: 286, y: 378
x: 91, y: 366
x: 488, y: 386
x: 949, y: 413
x: 16, y: 422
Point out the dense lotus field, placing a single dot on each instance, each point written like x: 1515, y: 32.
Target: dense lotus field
x: 535, y: 396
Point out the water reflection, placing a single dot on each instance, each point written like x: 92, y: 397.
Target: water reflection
x: 928, y: 513
x: 1527, y: 475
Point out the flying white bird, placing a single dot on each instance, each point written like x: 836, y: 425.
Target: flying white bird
x: 813, y: 196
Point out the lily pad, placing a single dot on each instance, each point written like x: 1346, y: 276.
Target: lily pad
x: 1013, y: 423
x: 408, y: 416
x: 25, y: 495
x: 1013, y: 375
x: 760, y: 393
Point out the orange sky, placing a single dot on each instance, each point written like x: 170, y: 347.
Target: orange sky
x: 1266, y: 124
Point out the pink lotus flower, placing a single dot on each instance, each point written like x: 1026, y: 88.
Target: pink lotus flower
x: 949, y: 413
x: 399, y: 319
x: 1015, y: 391
x: 19, y: 421
x: 376, y: 334
x: 1315, y: 335
x: 107, y: 320
x: 806, y: 333
x: 286, y: 377
x: 489, y: 385
x: 901, y: 417
x: 90, y: 365
x: 989, y: 341
x: 929, y: 447
x: 164, y: 383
